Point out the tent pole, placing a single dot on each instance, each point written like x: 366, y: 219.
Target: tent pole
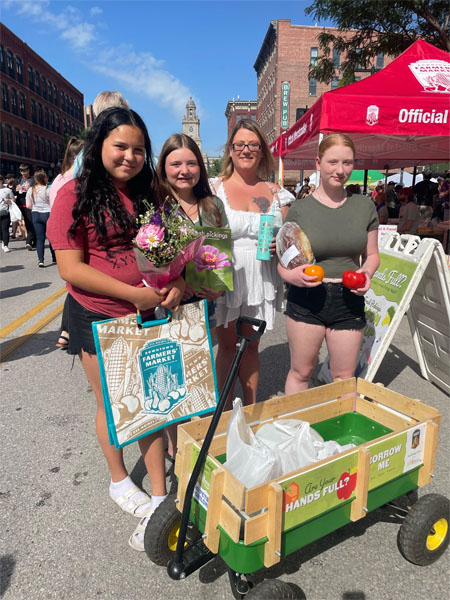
x: 366, y: 176
x: 318, y: 172
x: 280, y: 171
x: 414, y: 176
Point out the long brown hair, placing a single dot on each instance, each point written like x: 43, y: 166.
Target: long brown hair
x: 73, y: 147
x: 267, y: 163
x: 201, y: 190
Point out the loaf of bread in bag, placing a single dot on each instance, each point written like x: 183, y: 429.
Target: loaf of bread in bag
x: 293, y: 247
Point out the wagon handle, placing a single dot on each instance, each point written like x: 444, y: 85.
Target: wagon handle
x: 176, y: 569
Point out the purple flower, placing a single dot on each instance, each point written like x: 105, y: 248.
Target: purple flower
x: 209, y: 257
x: 156, y: 219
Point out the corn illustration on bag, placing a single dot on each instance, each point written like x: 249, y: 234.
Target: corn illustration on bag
x: 155, y: 373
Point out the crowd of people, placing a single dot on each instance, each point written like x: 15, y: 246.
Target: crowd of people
x: 89, y: 215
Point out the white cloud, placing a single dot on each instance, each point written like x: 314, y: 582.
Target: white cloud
x: 79, y: 36
x: 140, y: 72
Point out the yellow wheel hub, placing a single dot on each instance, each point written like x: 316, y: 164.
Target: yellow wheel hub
x: 437, y: 534
x: 173, y: 537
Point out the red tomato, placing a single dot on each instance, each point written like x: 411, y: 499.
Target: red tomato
x: 315, y: 271
x: 353, y: 280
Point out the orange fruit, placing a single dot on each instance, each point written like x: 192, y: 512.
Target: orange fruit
x: 315, y: 271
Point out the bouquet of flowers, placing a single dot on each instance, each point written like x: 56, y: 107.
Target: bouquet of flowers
x: 164, y: 244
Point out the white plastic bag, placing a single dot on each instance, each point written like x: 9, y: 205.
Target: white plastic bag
x: 251, y: 461
x: 15, y: 212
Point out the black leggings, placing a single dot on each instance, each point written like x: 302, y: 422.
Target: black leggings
x: 4, y: 228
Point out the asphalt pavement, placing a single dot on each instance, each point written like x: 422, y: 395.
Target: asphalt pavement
x: 62, y: 537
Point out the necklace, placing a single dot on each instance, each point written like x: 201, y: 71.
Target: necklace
x: 193, y: 213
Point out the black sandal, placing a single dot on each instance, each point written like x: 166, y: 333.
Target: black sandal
x: 64, y: 344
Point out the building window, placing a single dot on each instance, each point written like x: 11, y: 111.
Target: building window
x: 312, y: 86
x: 22, y: 106
x: 9, y: 141
x: 63, y: 102
x: 2, y: 62
x: 44, y: 87
x: 19, y: 68
x: 380, y: 60
x: 2, y: 145
x: 336, y: 57
x: 37, y: 148
x: 10, y: 59
x: 30, y: 78
x: 55, y: 95
x: 50, y: 91
x: 14, y: 104
x: 5, y: 97
x: 55, y: 154
x: 71, y: 106
x: 49, y: 151
x: 33, y: 111
x: 238, y: 117
x: 358, y: 64
x: 52, y: 120
x: 58, y: 124
x: 313, y: 56
x: 253, y: 117
x: 37, y: 80
x: 26, y: 143
x: 40, y: 115
x: 18, y: 142
x: 334, y: 83
x: 47, y: 118
x: 43, y: 153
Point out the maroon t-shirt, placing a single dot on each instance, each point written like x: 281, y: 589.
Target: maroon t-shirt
x: 115, y: 257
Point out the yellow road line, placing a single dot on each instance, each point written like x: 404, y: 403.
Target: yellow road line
x: 31, y: 332
x: 31, y: 313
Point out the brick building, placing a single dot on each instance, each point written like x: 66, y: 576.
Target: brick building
x: 237, y: 110
x: 285, y: 57
x: 39, y: 108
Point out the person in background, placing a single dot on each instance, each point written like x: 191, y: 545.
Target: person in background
x: 102, y: 101
x: 23, y: 184
x: 380, y: 202
x: 6, y: 198
x: 392, y: 201
x: 427, y: 193
x: 17, y: 222
x: 92, y: 226
x: 377, y: 189
x: 38, y: 202
x: 318, y: 311
x: 74, y: 146
x: 258, y: 289
x: 409, y: 216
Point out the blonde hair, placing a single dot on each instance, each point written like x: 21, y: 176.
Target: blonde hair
x: 267, y: 162
x: 106, y: 100
x: 335, y: 139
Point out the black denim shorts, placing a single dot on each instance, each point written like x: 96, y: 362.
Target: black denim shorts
x: 331, y: 305
x: 80, y: 327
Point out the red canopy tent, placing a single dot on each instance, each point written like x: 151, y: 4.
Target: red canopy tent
x: 398, y: 117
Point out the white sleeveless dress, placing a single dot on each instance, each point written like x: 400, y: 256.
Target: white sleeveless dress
x: 258, y: 289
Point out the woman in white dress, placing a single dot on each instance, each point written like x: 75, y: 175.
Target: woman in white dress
x: 258, y: 289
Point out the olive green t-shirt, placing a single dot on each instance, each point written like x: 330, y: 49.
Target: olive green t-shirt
x: 207, y: 220
x: 338, y: 236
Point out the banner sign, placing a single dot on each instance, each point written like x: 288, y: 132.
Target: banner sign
x: 318, y: 490
x: 396, y: 455
x: 389, y: 284
x: 285, y: 89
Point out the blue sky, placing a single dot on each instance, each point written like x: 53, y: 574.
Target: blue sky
x: 157, y: 53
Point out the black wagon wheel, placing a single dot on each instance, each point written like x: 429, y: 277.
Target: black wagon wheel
x: 161, y: 533
x: 269, y: 589
x: 424, y: 534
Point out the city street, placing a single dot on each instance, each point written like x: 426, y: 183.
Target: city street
x: 62, y: 537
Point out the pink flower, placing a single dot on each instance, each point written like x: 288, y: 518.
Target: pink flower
x: 209, y: 257
x: 150, y: 236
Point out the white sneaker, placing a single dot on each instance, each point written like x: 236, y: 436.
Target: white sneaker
x: 6, y: 249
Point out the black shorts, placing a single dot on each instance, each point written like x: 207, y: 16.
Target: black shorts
x: 331, y: 305
x: 80, y: 327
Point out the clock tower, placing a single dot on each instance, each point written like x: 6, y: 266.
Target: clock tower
x: 191, y: 123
